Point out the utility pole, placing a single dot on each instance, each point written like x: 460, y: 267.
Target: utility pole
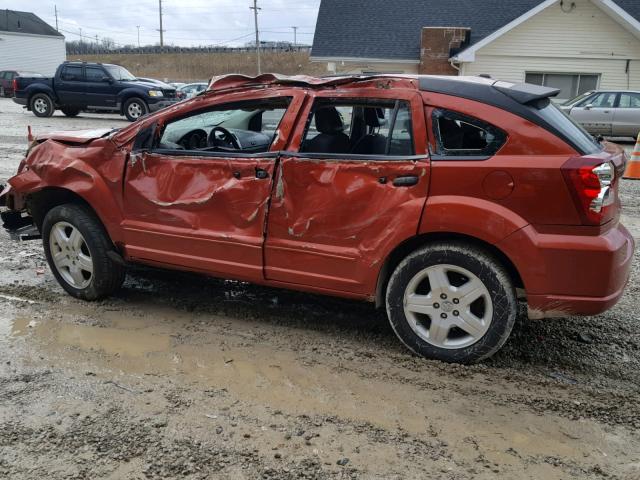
x: 55, y: 9
x: 79, y: 28
x: 255, y: 17
x: 295, y: 36
x: 161, y: 29
x: 138, y: 27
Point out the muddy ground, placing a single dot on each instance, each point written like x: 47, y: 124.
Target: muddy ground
x: 184, y: 376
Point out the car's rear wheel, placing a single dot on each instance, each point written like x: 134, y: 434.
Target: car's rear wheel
x: 452, y: 302
x: 134, y: 108
x: 70, y: 112
x: 77, y: 249
x: 42, y: 105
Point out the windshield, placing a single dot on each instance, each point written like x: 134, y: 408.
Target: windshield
x: 569, y: 128
x: 119, y: 73
x: 575, y: 100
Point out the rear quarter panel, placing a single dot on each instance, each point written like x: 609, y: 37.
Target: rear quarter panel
x: 490, y: 199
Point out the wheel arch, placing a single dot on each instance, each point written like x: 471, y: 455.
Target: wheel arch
x: 43, y: 200
x: 405, y: 248
x: 41, y: 90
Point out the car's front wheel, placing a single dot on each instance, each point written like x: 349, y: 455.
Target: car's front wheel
x: 42, y: 105
x: 134, y: 108
x: 77, y: 249
x: 452, y: 302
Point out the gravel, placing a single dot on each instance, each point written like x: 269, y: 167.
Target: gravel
x: 184, y: 376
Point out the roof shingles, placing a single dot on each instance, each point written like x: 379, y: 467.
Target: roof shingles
x: 384, y: 29
x: 25, y: 22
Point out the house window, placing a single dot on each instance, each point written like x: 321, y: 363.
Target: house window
x: 570, y: 84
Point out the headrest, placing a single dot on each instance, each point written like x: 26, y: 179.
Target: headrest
x: 374, y: 117
x: 328, y: 121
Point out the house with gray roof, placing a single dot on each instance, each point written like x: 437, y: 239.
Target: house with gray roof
x: 574, y: 45
x: 28, y: 43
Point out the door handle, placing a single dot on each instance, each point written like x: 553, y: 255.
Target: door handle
x: 261, y: 174
x: 406, y: 181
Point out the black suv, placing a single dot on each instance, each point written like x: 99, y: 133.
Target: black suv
x: 92, y: 87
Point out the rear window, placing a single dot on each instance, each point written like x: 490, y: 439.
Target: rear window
x: 559, y: 120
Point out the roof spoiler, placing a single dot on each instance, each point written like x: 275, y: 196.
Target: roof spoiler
x: 525, y: 93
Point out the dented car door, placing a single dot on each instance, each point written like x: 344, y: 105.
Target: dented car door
x: 334, y: 217
x: 204, y: 210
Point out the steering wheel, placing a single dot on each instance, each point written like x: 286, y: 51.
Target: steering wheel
x: 225, y: 140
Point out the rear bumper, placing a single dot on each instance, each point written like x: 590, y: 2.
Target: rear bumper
x: 20, y: 101
x: 571, y: 274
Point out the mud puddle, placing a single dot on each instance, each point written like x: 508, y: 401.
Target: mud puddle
x: 260, y: 385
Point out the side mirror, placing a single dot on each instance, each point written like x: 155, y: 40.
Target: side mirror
x: 588, y: 106
x: 107, y: 79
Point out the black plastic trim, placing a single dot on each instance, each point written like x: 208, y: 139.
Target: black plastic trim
x: 459, y: 158
x: 527, y: 93
x: 355, y: 157
x: 199, y: 153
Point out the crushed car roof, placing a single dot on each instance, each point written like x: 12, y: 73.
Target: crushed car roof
x: 476, y: 88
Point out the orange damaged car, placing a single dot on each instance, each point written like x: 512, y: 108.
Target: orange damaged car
x: 444, y: 200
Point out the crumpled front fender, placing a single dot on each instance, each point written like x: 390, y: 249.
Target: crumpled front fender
x: 93, y: 172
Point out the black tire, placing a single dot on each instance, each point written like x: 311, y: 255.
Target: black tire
x: 41, y: 105
x: 70, y: 111
x: 107, y: 275
x: 133, y: 105
x: 497, y: 284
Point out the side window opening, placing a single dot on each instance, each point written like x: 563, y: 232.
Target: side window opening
x: 71, y: 73
x: 359, y: 127
x: 459, y: 135
x: 241, y: 127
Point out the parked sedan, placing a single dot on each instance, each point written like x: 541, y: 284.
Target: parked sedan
x: 608, y: 113
x: 192, y: 89
x: 6, y: 80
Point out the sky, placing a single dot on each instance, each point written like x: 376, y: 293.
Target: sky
x: 186, y: 22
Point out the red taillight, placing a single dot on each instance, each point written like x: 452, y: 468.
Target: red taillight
x: 15, y: 85
x: 592, y: 185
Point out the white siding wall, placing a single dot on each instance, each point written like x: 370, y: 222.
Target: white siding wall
x: 34, y: 53
x: 585, y: 40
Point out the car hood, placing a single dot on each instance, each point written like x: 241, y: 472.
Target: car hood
x: 76, y: 136
x: 149, y: 85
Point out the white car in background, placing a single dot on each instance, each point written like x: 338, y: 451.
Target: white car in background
x: 606, y: 112
x: 192, y: 89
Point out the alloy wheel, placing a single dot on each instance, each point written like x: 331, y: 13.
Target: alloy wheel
x: 448, y: 306
x: 40, y: 105
x: 135, y: 110
x: 70, y: 255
